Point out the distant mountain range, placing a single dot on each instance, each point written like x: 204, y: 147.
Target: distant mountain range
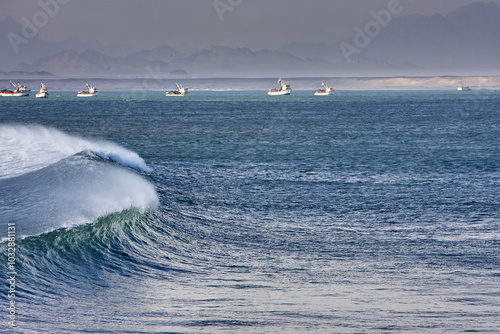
x: 464, y: 42
x: 467, y: 39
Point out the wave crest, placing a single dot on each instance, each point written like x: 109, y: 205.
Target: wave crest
x: 26, y: 148
x: 45, y: 185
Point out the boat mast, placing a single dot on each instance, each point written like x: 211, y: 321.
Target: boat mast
x: 16, y: 85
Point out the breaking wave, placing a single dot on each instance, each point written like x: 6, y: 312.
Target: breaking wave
x: 51, y: 180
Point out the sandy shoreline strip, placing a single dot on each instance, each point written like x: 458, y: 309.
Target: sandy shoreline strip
x: 257, y: 84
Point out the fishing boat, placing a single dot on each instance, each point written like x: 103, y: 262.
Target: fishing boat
x: 462, y: 88
x: 285, y: 89
x: 43, y: 93
x: 19, y: 90
x: 325, y: 91
x: 181, y: 91
x: 91, y: 91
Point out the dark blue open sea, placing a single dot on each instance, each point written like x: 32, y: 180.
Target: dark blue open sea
x: 361, y: 212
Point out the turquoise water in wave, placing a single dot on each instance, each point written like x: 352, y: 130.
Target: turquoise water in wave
x: 361, y: 212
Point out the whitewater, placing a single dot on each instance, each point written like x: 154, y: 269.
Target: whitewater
x: 51, y: 180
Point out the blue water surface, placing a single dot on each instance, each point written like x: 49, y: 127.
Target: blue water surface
x: 360, y: 212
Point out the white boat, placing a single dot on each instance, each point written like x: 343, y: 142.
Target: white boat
x: 181, y: 91
x: 19, y: 90
x: 325, y: 91
x: 285, y: 89
x: 43, y: 93
x: 463, y: 88
x: 91, y: 91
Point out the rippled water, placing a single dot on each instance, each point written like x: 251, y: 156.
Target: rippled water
x: 362, y: 212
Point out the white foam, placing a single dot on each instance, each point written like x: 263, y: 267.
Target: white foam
x: 72, y: 192
x: 26, y: 148
x: 45, y: 185
x: 107, y: 150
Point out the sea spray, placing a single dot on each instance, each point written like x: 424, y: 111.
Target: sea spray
x: 26, y: 148
x: 111, y: 151
x: 46, y: 185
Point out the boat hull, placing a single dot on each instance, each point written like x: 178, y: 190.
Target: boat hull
x: 86, y: 94
x: 42, y: 95
x: 322, y: 93
x: 279, y: 92
x: 14, y: 94
x: 174, y: 94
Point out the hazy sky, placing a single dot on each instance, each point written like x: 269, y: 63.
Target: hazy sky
x: 193, y: 24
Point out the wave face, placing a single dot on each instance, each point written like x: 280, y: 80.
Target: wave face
x: 50, y: 179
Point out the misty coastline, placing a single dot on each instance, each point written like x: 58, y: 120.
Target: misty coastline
x: 404, y: 51
x: 255, y: 84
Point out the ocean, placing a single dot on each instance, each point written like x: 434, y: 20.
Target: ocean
x: 360, y: 212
